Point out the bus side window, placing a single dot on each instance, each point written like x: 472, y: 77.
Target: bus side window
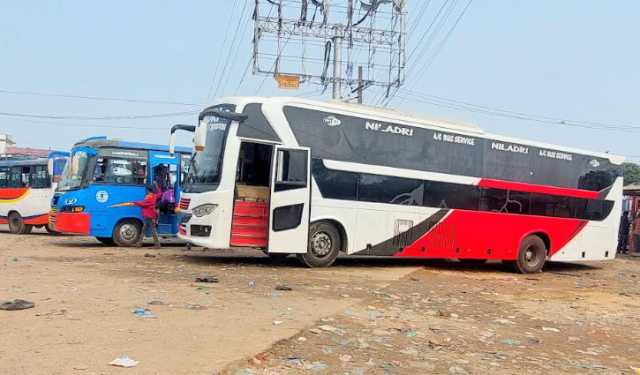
x: 291, y: 171
x: 25, y: 176
x: 39, y: 177
x: 4, y: 177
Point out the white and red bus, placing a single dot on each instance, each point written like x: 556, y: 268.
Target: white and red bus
x: 294, y: 176
x: 26, y: 189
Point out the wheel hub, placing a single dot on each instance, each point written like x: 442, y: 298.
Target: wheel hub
x: 321, y: 244
x: 128, y: 232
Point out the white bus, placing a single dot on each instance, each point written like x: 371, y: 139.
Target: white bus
x: 315, y: 179
x: 26, y: 189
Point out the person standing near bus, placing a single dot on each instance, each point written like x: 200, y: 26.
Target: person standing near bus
x: 150, y: 214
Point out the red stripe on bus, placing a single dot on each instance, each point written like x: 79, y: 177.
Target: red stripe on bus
x: 542, y: 189
x: 37, y: 220
x: 12, y: 193
x: 490, y: 235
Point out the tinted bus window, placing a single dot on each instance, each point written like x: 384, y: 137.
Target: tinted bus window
x: 39, y: 177
x: 118, y: 170
x: 15, y: 177
x: 394, y: 190
x: 4, y: 177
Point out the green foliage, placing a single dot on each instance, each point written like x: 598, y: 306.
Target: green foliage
x: 631, y: 173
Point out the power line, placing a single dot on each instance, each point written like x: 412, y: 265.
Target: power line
x: 98, y: 118
x: 228, y: 57
x: 57, y: 124
x: 97, y: 98
x: 445, y: 39
x: 499, y: 112
x: 226, y: 35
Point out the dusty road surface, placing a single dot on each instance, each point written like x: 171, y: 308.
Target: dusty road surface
x: 359, y: 317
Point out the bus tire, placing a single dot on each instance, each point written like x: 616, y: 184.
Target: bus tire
x: 127, y: 233
x: 532, y: 255
x: 16, y: 223
x: 27, y: 229
x: 323, y: 247
x: 106, y: 240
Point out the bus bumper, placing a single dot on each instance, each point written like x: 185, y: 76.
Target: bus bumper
x: 71, y: 222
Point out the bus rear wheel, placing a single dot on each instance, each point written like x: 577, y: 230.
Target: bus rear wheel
x: 17, y: 225
x: 323, y: 247
x: 531, y: 256
x: 127, y: 233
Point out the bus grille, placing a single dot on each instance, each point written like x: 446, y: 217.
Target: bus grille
x: 184, y: 203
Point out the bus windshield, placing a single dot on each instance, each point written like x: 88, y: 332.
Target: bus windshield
x: 206, y: 165
x: 74, y: 172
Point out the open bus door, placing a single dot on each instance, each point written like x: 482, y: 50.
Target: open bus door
x: 290, y: 200
x: 165, y: 171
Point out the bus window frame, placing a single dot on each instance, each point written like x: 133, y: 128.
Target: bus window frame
x: 90, y: 175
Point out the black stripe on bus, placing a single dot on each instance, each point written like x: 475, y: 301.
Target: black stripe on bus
x: 367, y: 187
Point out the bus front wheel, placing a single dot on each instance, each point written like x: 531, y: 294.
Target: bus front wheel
x: 531, y: 256
x: 127, y: 233
x: 17, y: 225
x: 324, y: 245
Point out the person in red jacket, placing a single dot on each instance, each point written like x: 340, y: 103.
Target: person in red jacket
x: 150, y: 214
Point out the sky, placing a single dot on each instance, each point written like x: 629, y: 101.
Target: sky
x: 575, y: 60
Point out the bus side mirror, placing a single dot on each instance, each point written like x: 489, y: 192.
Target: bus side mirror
x: 172, y: 139
x: 172, y: 143
x: 200, y: 138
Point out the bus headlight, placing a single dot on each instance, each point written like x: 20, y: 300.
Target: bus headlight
x: 75, y: 209
x: 204, y: 209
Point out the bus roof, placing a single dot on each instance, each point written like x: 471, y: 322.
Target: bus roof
x: 100, y: 142
x: 391, y: 115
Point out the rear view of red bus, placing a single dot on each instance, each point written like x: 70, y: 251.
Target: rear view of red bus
x: 26, y: 189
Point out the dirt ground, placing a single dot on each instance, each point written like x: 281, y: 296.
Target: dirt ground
x: 362, y: 316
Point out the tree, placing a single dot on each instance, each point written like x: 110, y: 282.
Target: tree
x: 631, y: 173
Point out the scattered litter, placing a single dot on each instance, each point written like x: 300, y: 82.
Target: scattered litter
x: 327, y: 350
x: 156, y: 302
x: 533, y: 340
x: 302, y: 339
x: 207, y: 279
x: 252, y: 284
x: 14, y: 259
x: 148, y: 255
x: 504, y: 321
x: 80, y: 367
x: 328, y: 328
x: 346, y: 358
x: 124, y: 361
x: 412, y: 333
x: 315, y: 331
x: 295, y: 361
x: 190, y: 306
x: 283, y: 287
x: 203, y: 289
x: 277, y: 322
x: 456, y: 370
x: 550, y: 329
x: 16, y: 304
x: 316, y: 366
x: 143, y: 313
x: 510, y: 342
